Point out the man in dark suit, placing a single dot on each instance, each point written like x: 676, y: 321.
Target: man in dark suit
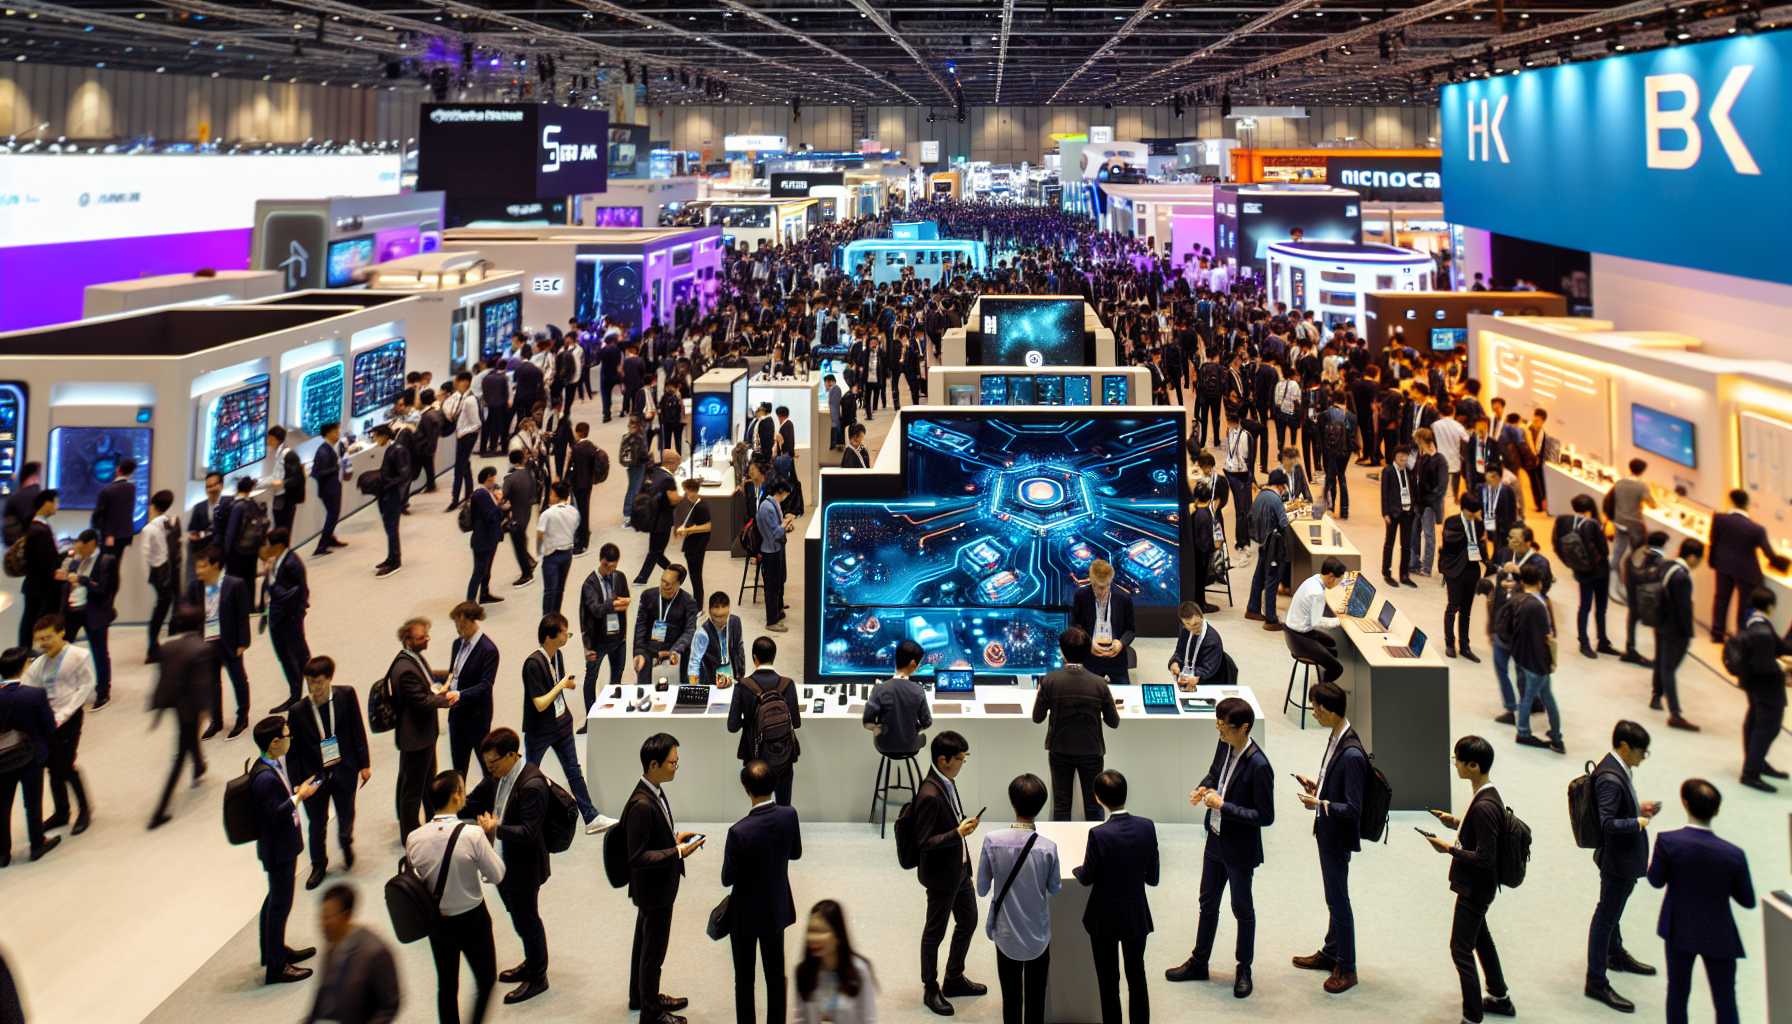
x: 1480, y: 452
x: 285, y: 597
x: 1499, y: 504
x: 329, y: 744
x: 277, y: 844
x: 359, y: 984
x: 856, y: 456
x: 115, y: 509
x: 487, y: 511
x: 1399, y: 513
x: 326, y: 469
x: 494, y: 390
x: 472, y: 673
x: 941, y: 825
x: 518, y: 499
x: 1673, y: 634
x: 656, y: 853
x: 1737, y: 542
x: 634, y: 375
x: 207, y: 518
x: 1622, y: 856
x: 21, y: 504
x: 1240, y: 788
x: 659, y: 482
x: 1105, y: 613
x: 531, y: 387
x: 415, y: 694
x: 1078, y: 702
x: 547, y: 718
x: 1475, y: 879
x: 1702, y: 874
x: 41, y: 590
x: 603, y: 620
x: 778, y: 753
x: 511, y: 803
x: 289, y: 476
x: 1336, y: 798
x: 1595, y: 583
x: 245, y: 514
x: 582, y: 472
x: 187, y: 677
x: 1764, y: 685
x: 395, y: 485
x: 756, y: 864
x: 1463, y: 558
x: 224, y: 602
x: 26, y: 726
x: 90, y: 586
x: 665, y: 624
x: 1119, y: 861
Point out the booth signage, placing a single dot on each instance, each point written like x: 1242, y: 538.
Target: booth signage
x: 797, y: 184
x: 930, y: 151
x: 753, y: 143
x: 514, y: 151
x: 1678, y: 144
x: 1394, y: 179
x: 1099, y: 133
x: 548, y: 285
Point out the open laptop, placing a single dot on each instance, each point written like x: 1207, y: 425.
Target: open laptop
x: 954, y: 683
x: 1362, y: 598
x: 1413, y: 648
x: 1382, y: 621
x: 1159, y: 698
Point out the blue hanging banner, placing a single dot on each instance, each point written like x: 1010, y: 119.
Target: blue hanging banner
x: 1678, y: 156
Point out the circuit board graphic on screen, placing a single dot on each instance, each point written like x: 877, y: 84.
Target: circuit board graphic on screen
x: 379, y: 377
x: 1030, y: 332
x: 1009, y: 641
x: 320, y: 397
x: 237, y: 434
x: 498, y: 321
x: 84, y: 459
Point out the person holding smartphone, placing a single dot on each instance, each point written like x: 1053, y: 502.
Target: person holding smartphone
x: 547, y: 714
x: 656, y: 855
x: 1475, y: 879
x: 945, y: 873
x: 1336, y: 798
x: 277, y: 844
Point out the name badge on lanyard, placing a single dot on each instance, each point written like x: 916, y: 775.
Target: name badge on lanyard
x: 1104, y: 626
x: 332, y: 751
x: 659, y: 623
x: 1405, y: 491
x: 612, y: 621
x: 1488, y: 519
x: 213, y: 629
x: 1468, y: 533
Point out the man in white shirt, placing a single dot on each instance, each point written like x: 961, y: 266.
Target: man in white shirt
x: 556, y: 529
x: 1449, y: 433
x: 161, y: 552
x: 465, y: 419
x: 1308, y: 615
x: 466, y: 926
x: 65, y: 673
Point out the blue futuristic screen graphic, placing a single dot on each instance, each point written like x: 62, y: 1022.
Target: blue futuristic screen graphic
x: 1016, y: 641
x: 84, y: 459
x: 1076, y: 390
x: 1113, y: 389
x: 711, y: 418
x: 1031, y: 332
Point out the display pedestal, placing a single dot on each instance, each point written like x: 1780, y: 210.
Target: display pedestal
x: 1306, y: 554
x: 1399, y: 706
x: 1071, y: 995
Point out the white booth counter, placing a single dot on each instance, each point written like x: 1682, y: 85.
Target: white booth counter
x: 1164, y: 754
x: 1334, y: 279
x: 178, y: 289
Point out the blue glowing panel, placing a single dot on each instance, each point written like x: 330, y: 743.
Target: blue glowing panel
x: 1020, y: 390
x: 85, y: 459
x: 379, y: 377
x: 1020, y: 641
x: 15, y: 404
x: 1050, y: 390
x: 237, y: 434
x: 347, y: 256
x: 1113, y: 389
x: 1031, y: 332
x: 498, y: 320
x: 710, y: 414
x: 995, y: 389
x: 320, y: 397
x: 1668, y: 436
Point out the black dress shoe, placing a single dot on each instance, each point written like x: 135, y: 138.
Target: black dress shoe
x: 38, y: 852
x: 527, y: 990
x: 1587, y: 652
x: 80, y: 825
x: 959, y: 985
x: 1188, y: 970
x: 1623, y: 961
x: 1408, y: 581
x: 237, y: 729
x: 1505, y: 718
x: 665, y: 1018
x: 1605, y: 647
x: 933, y: 1000
x: 300, y: 955
x: 56, y: 821
x: 1773, y: 773
x: 211, y: 730
x: 1751, y: 781
x: 1654, y: 703
x: 1500, y: 1007
x: 316, y: 878
x: 348, y: 858
x: 159, y: 820
x: 1532, y: 741
x: 1604, y: 994
x: 1632, y: 658
x: 672, y: 1004
x: 100, y: 705
x: 511, y: 974
x: 1241, y: 985
x: 287, y: 974
x: 1471, y: 656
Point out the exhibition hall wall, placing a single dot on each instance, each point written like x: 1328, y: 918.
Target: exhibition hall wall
x: 1010, y: 134
x: 1735, y: 317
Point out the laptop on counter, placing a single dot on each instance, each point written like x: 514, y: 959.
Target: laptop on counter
x: 1413, y: 648
x: 1382, y: 621
x: 1159, y: 698
x: 958, y: 684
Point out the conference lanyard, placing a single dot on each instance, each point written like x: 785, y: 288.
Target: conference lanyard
x: 1468, y: 539
x: 1104, y: 627
x: 612, y: 618
x: 1188, y: 659
x: 1405, y: 489
x: 556, y: 669
x: 659, y: 621
x: 1491, y: 503
x: 460, y: 661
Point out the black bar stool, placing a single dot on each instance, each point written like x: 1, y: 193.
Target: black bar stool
x: 891, y: 771
x: 1304, y: 667
x: 752, y: 586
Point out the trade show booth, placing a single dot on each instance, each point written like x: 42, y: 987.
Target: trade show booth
x: 1418, y: 226
x: 329, y: 242
x: 945, y: 185
x: 1178, y: 214
x: 635, y: 203
x: 749, y: 222
x: 1029, y: 330
x: 1437, y: 321
x: 809, y: 417
x: 1704, y: 425
x: 116, y: 297
x: 1247, y: 218
x: 1059, y: 386
x: 459, y: 295
x: 1334, y: 279
x: 932, y: 260
x: 639, y: 276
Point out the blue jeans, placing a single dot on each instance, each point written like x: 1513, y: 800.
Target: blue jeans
x: 1502, y: 671
x: 1534, y: 686
x: 634, y: 484
x: 560, y: 741
x: 1265, y: 578
x: 1424, y: 544
x: 1340, y: 935
x: 553, y: 579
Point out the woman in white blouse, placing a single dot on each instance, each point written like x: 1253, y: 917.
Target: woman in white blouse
x: 834, y: 985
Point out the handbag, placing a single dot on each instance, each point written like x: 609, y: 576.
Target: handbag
x: 719, y: 923
x: 995, y: 908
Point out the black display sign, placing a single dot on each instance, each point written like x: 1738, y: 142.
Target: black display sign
x: 512, y: 150
x: 796, y: 184
x: 1393, y: 179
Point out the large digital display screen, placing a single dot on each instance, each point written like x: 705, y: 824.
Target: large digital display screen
x: 1048, y: 390
x: 236, y: 429
x: 616, y: 216
x: 397, y: 243
x: 1017, y: 641
x: 995, y: 389
x: 379, y: 377
x: 1670, y: 437
x: 710, y: 418
x: 15, y: 405
x: 512, y: 151
x: 347, y: 255
x: 1030, y: 332
x: 320, y: 397
x: 85, y: 459
x: 1448, y: 339
x: 499, y: 320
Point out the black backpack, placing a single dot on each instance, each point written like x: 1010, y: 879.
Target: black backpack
x: 1583, y: 810
x: 908, y: 845
x: 641, y: 514
x: 1337, y: 438
x: 382, y: 709
x: 239, y: 806
x: 255, y: 527
x: 1574, y: 551
x: 464, y: 518
x: 601, y: 466
x: 1378, y: 799
x: 1515, y: 850
x: 1736, y: 653
x: 616, y: 857
x: 1652, y: 591
x: 562, y: 821
x: 774, y: 741
x: 413, y: 904
x: 1211, y: 380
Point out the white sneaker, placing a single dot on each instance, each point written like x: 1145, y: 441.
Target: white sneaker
x: 601, y: 823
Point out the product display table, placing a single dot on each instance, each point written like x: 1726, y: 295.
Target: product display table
x: 1314, y: 541
x: 1162, y: 756
x: 1399, y: 706
x: 1071, y: 994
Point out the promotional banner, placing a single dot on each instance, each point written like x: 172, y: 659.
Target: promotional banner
x: 512, y: 150
x: 1676, y: 156
x: 796, y: 184
x: 930, y: 151
x: 1391, y: 179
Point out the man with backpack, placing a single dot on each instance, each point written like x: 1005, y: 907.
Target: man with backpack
x: 1580, y: 543
x: 766, y: 711
x: 1336, y: 798
x: 276, y: 799
x: 1475, y: 874
x: 455, y: 859
x: 1642, y: 564
x: 652, y: 512
x: 511, y: 805
x: 1622, y: 855
x: 547, y: 715
x: 1337, y: 440
x: 244, y: 532
x: 1672, y: 595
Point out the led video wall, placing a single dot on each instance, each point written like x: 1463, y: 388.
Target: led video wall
x: 379, y: 377
x: 1038, y: 389
x: 499, y: 320
x: 236, y: 428
x: 320, y: 397
x: 1029, y: 332
x: 977, y: 550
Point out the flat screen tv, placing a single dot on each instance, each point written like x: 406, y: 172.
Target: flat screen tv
x: 1076, y: 390
x: 1030, y: 332
x: 1048, y: 390
x: 320, y: 397
x: 1668, y: 436
x: 995, y: 389
x: 15, y: 405
x: 616, y: 216
x: 1020, y: 389
x: 379, y: 377
x: 236, y: 428
x: 345, y: 256
x: 499, y: 320
x: 1448, y: 339
x: 711, y: 415
x: 1113, y: 389
x: 84, y: 459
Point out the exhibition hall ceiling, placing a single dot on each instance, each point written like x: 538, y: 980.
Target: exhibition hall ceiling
x: 940, y: 54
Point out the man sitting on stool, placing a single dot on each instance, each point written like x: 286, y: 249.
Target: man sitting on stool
x: 1308, y: 613
x: 1106, y: 615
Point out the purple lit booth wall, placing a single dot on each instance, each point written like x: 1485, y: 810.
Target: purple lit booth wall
x: 44, y: 284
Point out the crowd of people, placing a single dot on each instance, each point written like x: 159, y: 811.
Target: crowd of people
x: 1454, y: 479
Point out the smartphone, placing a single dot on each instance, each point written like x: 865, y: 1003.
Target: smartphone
x: 1427, y: 835
x: 698, y: 838
x: 980, y: 810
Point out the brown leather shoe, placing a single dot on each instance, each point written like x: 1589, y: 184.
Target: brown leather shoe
x: 1316, y: 962
x: 1340, y: 981
x: 1676, y: 722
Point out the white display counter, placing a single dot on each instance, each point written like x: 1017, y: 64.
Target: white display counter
x: 1776, y: 913
x: 1163, y: 756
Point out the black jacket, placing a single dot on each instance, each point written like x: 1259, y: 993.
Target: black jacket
x: 276, y: 818
x: 1594, y: 538
x: 115, y: 511
x: 233, y: 609
x: 305, y: 757
x: 1504, y: 507
x: 326, y: 469
x: 26, y: 710
x: 1078, y: 701
x: 412, y: 690
x: 520, y: 834
x: 680, y: 615
x: 1119, y: 861
x: 1082, y: 613
x: 289, y: 595
x: 1527, y: 631
x: 1390, y: 491
x: 488, y: 520
x: 1433, y: 472
x: 945, y: 858
x: 712, y: 655
x: 292, y: 476
x: 1489, y: 451
x: 101, y: 582
x: 1623, y: 850
x: 1345, y: 781
x: 756, y: 863
x: 186, y: 676
x: 654, y: 866
x: 582, y: 468
x: 743, y: 711
x: 1735, y: 539
x: 1676, y: 615
x: 1249, y: 805
x: 395, y: 470
x: 1205, y: 658
x: 1475, y: 859
x: 1461, y: 531
x: 478, y: 676
x: 594, y: 611
x: 1763, y: 678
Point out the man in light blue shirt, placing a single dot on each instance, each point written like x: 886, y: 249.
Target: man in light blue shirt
x: 773, y: 524
x: 1020, y: 867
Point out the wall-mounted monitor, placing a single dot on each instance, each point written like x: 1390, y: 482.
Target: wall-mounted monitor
x: 995, y: 389
x: 320, y: 393
x: 1076, y: 390
x: 1020, y: 390
x: 1113, y: 389
x: 499, y: 320
x: 84, y: 459
x: 711, y: 418
x: 1048, y: 389
x: 1029, y: 332
x: 15, y: 406
x: 345, y: 257
x: 1668, y: 436
x: 1448, y: 339
x: 616, y: 216
x: 379, y: 377
x: 234, y: 431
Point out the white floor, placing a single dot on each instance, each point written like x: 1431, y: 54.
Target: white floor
x: 121, y: 925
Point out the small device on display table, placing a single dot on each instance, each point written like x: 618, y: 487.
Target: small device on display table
x: 1158, y: 698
